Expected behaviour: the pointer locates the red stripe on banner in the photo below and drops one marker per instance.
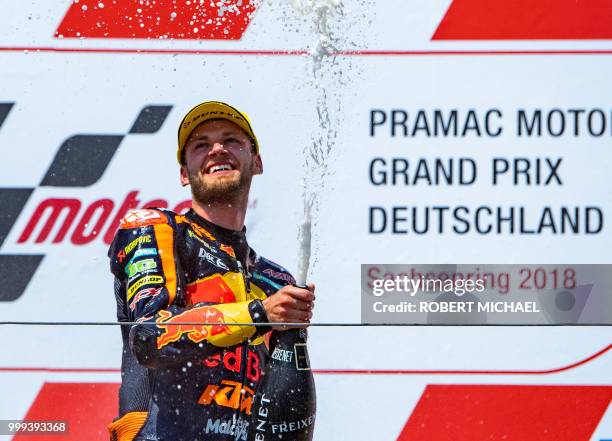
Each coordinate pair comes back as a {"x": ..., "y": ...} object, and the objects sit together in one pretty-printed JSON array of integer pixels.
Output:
[
  {"x": 465, "y": 372},
  {"x": 444, "y": 412},
  {"x": 494, "y": 412},
  {"x": 526, "y": 20},
  {"x": 160, "y": 19},
  {"x": 151, "y": 51},
  {"x": 87, "y": 407}
]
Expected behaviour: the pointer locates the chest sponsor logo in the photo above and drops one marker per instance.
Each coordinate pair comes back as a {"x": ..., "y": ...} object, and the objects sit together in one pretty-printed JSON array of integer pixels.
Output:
[
  {"x": 215, "y": 289},
  {"x": 232, "y": 394},
  {"x": 142, "y": 282},
  {"x": 236, "y": 428},
  {"x": 202, "y": 242},
  {"x": 216, "y": 261},
  {"x": 200, "y": 231},
  {"x": 143, "y": 294},
  {"x": 232, "y": 360}
]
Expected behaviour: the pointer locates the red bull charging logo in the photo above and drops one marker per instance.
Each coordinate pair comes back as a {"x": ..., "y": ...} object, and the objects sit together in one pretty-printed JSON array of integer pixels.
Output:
[{"x": 175, "y": 326}]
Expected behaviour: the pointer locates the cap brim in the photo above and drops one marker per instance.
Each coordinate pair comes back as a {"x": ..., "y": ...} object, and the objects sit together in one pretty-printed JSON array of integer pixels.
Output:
[{"x": 212, "y": 110}]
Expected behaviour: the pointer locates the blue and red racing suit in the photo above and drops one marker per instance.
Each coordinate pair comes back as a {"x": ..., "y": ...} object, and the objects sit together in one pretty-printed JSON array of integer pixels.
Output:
[{"x": 188, "y": 382}]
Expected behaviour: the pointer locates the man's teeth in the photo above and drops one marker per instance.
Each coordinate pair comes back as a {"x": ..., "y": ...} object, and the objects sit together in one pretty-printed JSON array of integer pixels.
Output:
[{"x": 216, "y": 168}]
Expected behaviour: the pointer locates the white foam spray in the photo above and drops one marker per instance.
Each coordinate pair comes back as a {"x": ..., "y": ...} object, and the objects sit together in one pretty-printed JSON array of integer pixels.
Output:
[
  {"x": 335, "y": 29},
  {"x": 317, "y": 153},
  {"x": 304, "y": 248}
]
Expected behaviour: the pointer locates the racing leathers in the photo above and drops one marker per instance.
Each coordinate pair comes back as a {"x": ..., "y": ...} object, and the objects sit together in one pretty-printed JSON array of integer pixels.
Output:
[{"x": 188, "y": 381}]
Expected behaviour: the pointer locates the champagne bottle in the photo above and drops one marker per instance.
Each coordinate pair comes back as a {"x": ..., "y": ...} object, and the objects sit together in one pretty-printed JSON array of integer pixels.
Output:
[{"x": 284, "y": 406}]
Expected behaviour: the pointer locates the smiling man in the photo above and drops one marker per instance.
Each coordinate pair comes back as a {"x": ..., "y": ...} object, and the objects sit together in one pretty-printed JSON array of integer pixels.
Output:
[{"x": 181, "y": 379}]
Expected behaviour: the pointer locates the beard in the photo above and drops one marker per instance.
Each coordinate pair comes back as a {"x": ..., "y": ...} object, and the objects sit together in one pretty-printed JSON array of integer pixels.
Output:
[{"x": 225, "y": 190}]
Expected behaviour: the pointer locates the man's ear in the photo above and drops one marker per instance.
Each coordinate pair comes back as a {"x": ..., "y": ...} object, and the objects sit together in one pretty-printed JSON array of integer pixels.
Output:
[
  {"x": 184, "y": 176},
  {"x": 257, "y": 165}
]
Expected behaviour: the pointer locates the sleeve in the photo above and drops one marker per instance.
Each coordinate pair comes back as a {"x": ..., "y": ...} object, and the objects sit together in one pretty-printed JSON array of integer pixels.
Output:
[{"x": 143, "y": 256}]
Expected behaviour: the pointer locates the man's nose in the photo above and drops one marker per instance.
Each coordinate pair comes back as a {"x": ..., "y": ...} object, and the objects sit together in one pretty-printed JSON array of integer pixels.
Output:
[{"x": 217, "y": 148}]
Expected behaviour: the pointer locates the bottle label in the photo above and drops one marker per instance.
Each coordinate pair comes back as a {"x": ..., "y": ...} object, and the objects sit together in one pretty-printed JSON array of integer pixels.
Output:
[
  {"x": 282, "y": 355},
  {"x": 302, "y": 362}
]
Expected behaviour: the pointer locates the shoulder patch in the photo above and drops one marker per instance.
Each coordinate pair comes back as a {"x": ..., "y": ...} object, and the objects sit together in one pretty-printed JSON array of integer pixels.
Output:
[
  {"x": 142, "y": 218},
  {"x": 274, "y": 270},
  {"x": 279, "y": 275}
]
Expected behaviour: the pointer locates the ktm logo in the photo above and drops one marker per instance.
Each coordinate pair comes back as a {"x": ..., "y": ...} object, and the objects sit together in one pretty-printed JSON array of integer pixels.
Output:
[
  {"x": 157, "y": 19},
  {"x": 232, "y": 394}
]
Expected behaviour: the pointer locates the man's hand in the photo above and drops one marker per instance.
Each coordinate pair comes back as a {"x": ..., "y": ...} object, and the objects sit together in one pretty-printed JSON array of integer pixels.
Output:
[{"x": 290, "y": 305}]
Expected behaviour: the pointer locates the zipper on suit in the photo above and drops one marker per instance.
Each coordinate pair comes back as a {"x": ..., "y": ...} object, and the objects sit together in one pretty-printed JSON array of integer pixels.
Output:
[
  {"x": 245, "y": 280},
  {"x": 245, "y": 345}
]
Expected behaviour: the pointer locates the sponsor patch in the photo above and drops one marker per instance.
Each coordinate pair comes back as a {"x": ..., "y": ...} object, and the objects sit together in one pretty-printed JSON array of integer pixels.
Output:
[
  {"x": 140, "y": 267},
  {"x": 199, "y": 230},
  {"x": 203, "y": 242},
  {"x": 270, "y": 282},
  {"x": 142, "y": 218},
  {"x": 138, "y": 241},
  {"x": 143, "y": 294},
  {"x": 216, "y": 261},
  {"x": 141, "y": 282},
  {"x": 232, "y": 394},
  {"x": 145, "y": 252},
  {"x": 279, "y": 275},
  {"x": 236, "y": 428}
]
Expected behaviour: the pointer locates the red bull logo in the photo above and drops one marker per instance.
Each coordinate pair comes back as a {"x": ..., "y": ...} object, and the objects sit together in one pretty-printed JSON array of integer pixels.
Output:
[
  {"x": 232, "y": 360},
  {"x": 175, "y": 326},
  {"x": 213, "y": 289}
]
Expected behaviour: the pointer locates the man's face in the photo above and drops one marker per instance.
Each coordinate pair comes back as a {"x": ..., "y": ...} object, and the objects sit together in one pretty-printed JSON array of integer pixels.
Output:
[{"x": 219, "y": 162}]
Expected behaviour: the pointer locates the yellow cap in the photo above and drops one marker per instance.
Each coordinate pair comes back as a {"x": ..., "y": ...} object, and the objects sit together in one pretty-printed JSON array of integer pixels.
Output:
[{"x": 212, "y": 110}]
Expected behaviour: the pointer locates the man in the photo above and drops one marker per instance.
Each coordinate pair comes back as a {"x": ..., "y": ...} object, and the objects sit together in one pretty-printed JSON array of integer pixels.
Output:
[{"x": 191, "y": 381}]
